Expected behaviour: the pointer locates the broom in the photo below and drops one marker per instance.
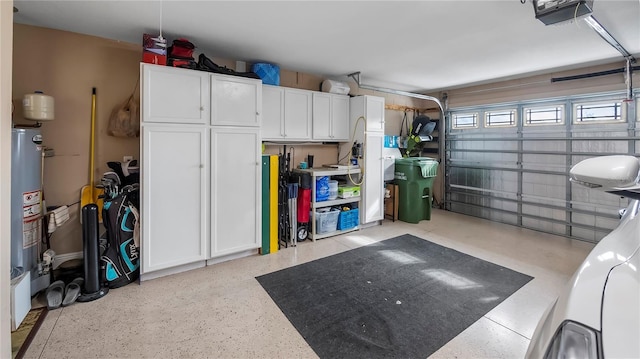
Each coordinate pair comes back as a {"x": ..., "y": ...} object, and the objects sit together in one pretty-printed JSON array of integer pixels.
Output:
[{"x": 91, "y": 194}]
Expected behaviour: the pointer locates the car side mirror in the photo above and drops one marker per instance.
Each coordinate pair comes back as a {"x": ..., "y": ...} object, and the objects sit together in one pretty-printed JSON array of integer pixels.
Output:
[{"x": 610, "y": 173}]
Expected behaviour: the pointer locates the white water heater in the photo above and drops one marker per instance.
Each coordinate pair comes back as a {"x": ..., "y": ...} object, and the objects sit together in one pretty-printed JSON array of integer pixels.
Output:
[{"x": 26, "y": 204}]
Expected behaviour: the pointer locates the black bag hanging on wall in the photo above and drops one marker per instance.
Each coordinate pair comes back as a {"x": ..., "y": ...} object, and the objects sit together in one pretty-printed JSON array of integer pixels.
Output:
[{"x": 120, "y": 260}]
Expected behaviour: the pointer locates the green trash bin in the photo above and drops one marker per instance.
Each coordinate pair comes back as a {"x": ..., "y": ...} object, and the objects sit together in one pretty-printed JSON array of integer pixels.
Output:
[{"x": 414, "y": 177}]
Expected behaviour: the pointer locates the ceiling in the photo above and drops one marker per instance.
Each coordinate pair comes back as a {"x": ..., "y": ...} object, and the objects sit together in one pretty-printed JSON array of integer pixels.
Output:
[{"x": 405, "y": 45}]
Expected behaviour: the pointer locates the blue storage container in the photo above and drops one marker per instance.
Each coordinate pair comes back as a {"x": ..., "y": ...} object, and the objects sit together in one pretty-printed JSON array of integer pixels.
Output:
[
  {"x": 348, "y": 219},
  {"x": 269, "y": 73}
]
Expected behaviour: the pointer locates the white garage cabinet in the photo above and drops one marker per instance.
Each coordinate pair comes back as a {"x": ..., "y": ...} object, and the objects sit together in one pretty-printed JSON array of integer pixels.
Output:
[{"x": 200, "y": 169}]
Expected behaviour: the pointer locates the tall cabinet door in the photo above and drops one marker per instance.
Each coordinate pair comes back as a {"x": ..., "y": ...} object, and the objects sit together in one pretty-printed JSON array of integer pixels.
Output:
[
  {"x": 373, "y": 199},
  {"x": 236, "y": 101},
  {"x": 172, "y": 95},
  {"x": 174, "y": 195},
  {"x": 235, "y": 190}
]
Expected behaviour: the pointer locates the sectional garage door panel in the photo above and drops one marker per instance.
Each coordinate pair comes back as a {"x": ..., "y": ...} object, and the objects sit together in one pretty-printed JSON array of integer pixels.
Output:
[{"x": 518, "y": 173}]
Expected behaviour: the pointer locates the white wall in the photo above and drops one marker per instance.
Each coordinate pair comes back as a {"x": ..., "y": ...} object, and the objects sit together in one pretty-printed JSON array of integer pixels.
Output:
[{"x": 6, "y": 44}]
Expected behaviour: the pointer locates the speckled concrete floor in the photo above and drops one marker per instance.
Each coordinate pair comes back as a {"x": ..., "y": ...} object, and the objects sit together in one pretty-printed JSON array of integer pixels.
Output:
[{"x": 222, "y": 312}]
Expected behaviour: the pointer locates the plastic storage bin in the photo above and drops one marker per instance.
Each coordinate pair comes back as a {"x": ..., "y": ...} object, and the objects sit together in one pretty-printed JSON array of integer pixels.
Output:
[
  {"x": 333, "y": 190},
  {"x": 348, "y": 219},
  {"x": 269, "y": 73},
  {"x": 414, "y": 177},
  {"x": 348, "y": 191},
  {"x": 327, "y": 221}
]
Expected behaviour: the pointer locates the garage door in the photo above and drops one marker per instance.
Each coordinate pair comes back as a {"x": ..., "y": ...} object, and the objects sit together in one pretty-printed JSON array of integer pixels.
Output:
[{"x": 510, "y": 162}]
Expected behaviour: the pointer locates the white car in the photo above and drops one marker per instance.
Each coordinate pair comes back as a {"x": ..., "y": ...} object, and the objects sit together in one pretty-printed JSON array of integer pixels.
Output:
[{"x": 597, "y": 315}]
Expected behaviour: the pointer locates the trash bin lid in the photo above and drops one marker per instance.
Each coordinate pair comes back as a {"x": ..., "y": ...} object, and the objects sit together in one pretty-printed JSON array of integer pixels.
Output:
[
  {"x": 405, "y": 161},
  {"x": 428, "y": 165}
]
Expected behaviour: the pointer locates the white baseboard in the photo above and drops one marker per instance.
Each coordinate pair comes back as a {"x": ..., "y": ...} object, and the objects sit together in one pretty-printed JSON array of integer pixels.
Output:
[
  {"x": 228, "y": 257},
  {"x": 173, "y": 270},
  {"x": 61, "y": 258}
]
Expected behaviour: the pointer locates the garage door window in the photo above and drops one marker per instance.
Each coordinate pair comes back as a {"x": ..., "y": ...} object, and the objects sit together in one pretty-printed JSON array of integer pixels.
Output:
[
  {"x": 598, "y": 112},
  {"x": 465, "y": 120},
  {"x": 544, "y": 115},
  {"x": 502, "y": 118}
]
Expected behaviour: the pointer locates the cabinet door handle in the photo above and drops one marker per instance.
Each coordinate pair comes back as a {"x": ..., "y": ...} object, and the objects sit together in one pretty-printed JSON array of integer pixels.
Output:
[
  {"x": 201, "y": 166},
  {"x": 201, "y": 108}
]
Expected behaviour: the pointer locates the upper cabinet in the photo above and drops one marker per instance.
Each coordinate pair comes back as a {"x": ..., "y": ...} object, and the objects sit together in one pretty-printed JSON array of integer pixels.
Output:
[
  {"x": 297, "y": 114},
  {"x": 235, "y": 101},
  {"x": 272, "y": 112},
  {"x": 174, "y": 95},
  {"x": 287, "y": 114},
  {"x": 330, "y": 117},
  {"x": 372, "y": 109}
]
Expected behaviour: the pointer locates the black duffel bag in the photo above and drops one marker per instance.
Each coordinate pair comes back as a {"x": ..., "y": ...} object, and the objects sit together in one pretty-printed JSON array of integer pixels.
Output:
[{"x": 205, "y": 64}]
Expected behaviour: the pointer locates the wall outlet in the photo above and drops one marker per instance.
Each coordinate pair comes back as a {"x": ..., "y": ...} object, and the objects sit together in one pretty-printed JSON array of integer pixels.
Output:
[{"x": 126, "y": 159}]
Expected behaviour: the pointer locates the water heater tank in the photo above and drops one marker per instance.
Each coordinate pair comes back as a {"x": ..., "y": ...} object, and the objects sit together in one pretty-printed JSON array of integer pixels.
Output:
[{"x": 38, "y": 106}]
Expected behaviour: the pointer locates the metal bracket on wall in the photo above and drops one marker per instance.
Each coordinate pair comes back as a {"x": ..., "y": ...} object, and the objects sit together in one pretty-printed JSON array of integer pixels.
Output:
[{"x": 356, "y": 77}]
